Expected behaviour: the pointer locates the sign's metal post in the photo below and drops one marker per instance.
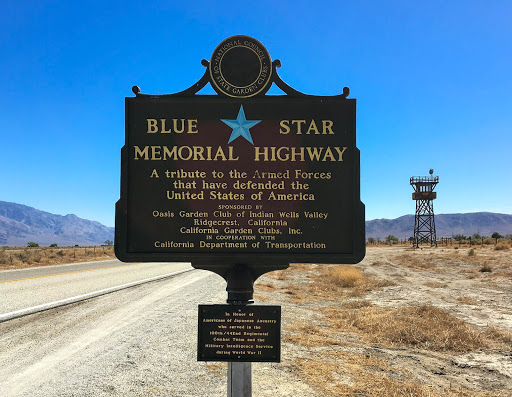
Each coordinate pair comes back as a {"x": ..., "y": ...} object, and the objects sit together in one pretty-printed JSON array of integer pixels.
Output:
[
  {"x": 240, "y": 288},
  {"x": 239, "y": 379},
  {"x": 240, "y": 285}
]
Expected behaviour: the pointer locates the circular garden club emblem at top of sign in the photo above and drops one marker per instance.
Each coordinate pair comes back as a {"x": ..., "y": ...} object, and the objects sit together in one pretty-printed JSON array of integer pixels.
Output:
[{"x": 241, "y": 67}]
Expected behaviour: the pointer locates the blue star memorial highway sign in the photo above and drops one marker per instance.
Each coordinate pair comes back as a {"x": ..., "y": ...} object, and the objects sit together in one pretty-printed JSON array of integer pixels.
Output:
[
  {"x": 241, "y": 126},
  {"x": 241, "y": 177}
]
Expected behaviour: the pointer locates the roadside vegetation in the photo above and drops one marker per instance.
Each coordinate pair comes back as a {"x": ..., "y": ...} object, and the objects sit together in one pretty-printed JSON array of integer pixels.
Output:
[
  {"x": 456, "y": 241},
  {"x": 31, "y": 256},
  {"x": 351, "y": 343}
]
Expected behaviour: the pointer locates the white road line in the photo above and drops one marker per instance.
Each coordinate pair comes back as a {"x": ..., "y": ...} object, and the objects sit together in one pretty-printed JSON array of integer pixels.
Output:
[{"x": 75, "y": 299}]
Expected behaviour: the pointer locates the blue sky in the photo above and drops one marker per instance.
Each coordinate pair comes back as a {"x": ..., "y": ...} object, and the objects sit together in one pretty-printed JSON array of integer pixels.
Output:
[{"x": 432, "y": 79}]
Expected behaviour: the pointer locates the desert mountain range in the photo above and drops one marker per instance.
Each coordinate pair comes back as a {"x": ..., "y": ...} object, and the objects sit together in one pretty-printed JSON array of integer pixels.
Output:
[
  {"x": 20, "y": 224},
  {"x": 447, "y": 225}
]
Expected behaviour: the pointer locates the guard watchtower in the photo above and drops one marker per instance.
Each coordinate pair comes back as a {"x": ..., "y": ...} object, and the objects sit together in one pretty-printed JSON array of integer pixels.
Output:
[{"x": 424, "y": 195}]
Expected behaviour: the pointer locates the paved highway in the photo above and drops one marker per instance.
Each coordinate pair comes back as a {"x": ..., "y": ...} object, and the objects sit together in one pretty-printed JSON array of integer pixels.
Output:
[
  {"x": 41, "y": 271},
  {"x": 24, "y": 288},
  {"x": 139, "y": 341}
]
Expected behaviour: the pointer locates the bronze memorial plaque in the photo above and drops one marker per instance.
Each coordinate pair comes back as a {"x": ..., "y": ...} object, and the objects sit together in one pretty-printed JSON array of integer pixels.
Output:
[{"x": 239, "y": 333}]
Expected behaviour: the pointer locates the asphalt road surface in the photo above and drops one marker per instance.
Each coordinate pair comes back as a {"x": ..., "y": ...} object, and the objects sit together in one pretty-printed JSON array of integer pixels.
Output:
[
  {"x": 139, "y": 341},
  {"x": 24, "y": 288}
]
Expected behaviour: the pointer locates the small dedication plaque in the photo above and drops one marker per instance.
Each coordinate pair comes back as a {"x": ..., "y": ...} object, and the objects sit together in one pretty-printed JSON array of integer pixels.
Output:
[{"x": 239, "y": 333}]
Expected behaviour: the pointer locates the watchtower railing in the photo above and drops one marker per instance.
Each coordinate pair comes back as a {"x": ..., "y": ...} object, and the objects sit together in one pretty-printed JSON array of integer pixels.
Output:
[{"x": 424, "y": 179}]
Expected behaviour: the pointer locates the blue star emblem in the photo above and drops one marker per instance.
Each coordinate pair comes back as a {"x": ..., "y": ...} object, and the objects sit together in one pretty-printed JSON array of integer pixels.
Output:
[{"x": 241, "y": 126}]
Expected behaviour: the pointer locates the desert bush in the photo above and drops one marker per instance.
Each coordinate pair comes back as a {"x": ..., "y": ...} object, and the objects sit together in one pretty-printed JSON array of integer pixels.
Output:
[
  {"x": 61, "y": 253},
  {"x": 415, "y": 261},
  {"x": 471, "y": 252},
  {"x": 426, "y": 327},
  {"x": 390, "y": 239},
  {"x": 459, "y": 237},
  {"x": 502, "y": 246},
  {"x": 467, "y": 300},
  {"x": 267, "y": 287},
  {"x": 486, "y": 268},
  {"x": 4, "y": 257},
  {"x": 364, "y": 372},
  {"x": 356, "y": 304},
  {"x": 488, "y": 241},
  {"x": 345, "y": 280},
  {"x": 496, "y": 236},
  {"x": 435, "y": 284},
  {"x": 36, "y": 257},
  {"x": 23, "y": 256},
  {"x": 344, "y": 276},
  {"x": 499, "y": 335}
]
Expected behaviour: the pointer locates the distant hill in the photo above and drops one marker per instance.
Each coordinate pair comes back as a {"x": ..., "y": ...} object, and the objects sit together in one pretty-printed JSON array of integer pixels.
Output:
[
  {"x": 447, "y": 225},
  {"x": 20, "y": 224}
]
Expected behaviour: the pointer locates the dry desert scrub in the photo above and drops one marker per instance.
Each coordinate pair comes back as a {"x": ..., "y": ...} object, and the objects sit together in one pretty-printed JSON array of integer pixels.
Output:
[
  {"x": 309, "y": 335},
  {"x": 484, "y": 260},
  {"x": 435, "y": 284},
  {"x": 502, "y": 246},
  {"x": 267, "y": 287},
  {"x": 339, "y": 359},
  {"x": 287, "y": 274},
  {"x": 485, "y": 268},
  {"x": 467, "y": 300},
  {"x": 4, "y": 257},
  {"x": 422, "y": 262},
  {"x": 425, "y": 327},
  {"x": 349, "y": 374},
  {"x": 344, "y": 276},
  {"x": 332, "y": 282},
  {"x": 24, "y": 258}
]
